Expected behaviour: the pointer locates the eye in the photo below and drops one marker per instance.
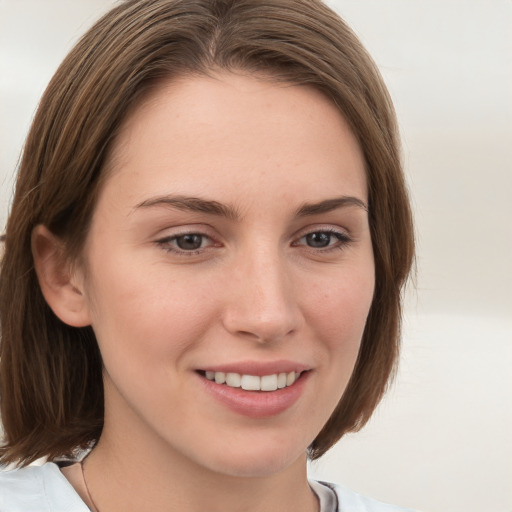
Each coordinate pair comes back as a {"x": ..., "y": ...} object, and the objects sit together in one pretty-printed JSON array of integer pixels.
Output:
[
  {"x": 190, "y": 242},
  {"x": 186, "y": 243},
  {"x": 324, "y": 239}
]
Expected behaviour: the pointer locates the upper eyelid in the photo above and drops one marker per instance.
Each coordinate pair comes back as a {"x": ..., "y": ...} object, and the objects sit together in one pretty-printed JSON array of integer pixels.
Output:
[
  {"x": 175, "y": 236},
  {"x": 173, "y": 232},
  {"x": 327, "y": 228},
  {"x": 188, "y": 229}
]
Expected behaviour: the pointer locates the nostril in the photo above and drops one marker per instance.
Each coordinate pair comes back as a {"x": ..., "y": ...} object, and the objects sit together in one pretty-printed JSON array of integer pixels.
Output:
[
  {"x": 266, "y": 336},
  {"x": 249, "y": 334}
]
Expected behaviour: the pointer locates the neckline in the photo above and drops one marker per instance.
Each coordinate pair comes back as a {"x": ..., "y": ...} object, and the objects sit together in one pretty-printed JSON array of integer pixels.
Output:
[
  {"x": 71, "y": 491},
  {"x": 326, "y": 496}
]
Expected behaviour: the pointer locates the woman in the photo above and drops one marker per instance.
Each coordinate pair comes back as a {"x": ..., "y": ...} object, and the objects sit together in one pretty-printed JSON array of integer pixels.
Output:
[{"x": 203, "y": 262}]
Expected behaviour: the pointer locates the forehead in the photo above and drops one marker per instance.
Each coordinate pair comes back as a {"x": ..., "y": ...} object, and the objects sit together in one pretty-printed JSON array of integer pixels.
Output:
[{"x": 231, "y": 131}]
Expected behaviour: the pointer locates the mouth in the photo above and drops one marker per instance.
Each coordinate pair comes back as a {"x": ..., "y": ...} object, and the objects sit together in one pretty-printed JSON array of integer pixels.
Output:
[
  {"x": 259, "y": 396},
  {"x": 266, "y": 383}
]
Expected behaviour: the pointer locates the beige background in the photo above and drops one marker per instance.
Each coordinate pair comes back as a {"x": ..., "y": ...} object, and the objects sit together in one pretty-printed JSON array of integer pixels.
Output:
[{"x": 441, "y": 440}]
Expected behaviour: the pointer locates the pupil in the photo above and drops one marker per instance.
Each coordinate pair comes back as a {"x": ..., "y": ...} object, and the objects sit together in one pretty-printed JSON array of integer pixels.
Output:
[
  {"x": 189, "y": 242},
  {"x": 318, "y": 239}
]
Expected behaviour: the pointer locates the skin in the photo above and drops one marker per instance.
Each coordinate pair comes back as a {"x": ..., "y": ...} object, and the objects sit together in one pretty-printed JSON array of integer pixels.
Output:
[{"x": 256, "y": 289}]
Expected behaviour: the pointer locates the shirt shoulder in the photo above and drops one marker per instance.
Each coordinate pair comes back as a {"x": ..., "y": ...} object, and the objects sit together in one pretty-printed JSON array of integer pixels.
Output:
[
  {"x": 351, "y": 501},
  {"x": 38, "y": 489}
]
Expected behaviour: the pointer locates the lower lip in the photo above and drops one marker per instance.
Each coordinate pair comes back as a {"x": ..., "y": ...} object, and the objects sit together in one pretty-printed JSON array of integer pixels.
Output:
[{"x": 256, "y": 404}]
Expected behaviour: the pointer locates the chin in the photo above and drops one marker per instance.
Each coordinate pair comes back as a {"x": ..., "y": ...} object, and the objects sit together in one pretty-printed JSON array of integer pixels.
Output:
[
  {"x": 261, "y": 468},
  {"x": 253, "y": 461}
]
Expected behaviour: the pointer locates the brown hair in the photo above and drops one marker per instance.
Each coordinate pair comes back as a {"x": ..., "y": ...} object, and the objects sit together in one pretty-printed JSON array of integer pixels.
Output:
[{"x": 50, "y": 373}]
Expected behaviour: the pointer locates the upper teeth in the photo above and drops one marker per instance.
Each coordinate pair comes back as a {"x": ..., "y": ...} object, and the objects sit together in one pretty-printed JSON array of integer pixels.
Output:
[{"x": 253, "y": 382}]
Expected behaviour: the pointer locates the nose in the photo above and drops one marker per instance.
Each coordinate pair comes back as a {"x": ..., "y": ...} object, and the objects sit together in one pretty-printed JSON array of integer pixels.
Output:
[{"x": 261, "y": 298}]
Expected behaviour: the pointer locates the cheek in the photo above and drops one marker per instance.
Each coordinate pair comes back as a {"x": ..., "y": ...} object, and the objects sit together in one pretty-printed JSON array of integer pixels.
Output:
[
  {"x": 338, "y": 310},
  {"x": 339, "y": 306},
  {"x": 150, "y": 312}
]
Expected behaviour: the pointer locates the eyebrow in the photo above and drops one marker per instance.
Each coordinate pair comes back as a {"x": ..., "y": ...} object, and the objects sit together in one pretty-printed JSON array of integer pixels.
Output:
[
  {"x": 192, "y": 204},
  {"x": 329, "y": 205}
]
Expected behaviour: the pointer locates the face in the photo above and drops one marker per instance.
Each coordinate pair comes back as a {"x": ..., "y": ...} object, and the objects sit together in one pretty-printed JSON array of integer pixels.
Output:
[{"x": 230, "y": 241}]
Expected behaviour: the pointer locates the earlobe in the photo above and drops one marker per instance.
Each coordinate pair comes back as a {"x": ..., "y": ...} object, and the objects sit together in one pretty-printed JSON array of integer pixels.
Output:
[{"x": 61, "y": 286}]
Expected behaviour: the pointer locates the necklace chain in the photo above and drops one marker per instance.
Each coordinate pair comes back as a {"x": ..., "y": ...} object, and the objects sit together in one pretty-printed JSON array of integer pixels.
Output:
[{"x": 89, "y": 497}]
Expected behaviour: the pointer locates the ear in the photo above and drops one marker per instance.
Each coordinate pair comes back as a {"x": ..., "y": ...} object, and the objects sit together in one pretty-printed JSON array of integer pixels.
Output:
[{"x": 62, "y": 286}]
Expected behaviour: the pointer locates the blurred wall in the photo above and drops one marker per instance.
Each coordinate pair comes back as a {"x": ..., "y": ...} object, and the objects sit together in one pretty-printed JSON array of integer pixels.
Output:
[{"x": 441, "y": 440}]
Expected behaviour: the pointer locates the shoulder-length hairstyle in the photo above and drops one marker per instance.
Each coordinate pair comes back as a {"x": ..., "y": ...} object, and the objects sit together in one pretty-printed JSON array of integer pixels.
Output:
[{"x": 50, "y": 373}]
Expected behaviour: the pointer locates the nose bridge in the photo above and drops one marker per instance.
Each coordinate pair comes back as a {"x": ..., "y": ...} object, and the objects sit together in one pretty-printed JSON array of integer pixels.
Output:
[{"x": 261, "y": 303}]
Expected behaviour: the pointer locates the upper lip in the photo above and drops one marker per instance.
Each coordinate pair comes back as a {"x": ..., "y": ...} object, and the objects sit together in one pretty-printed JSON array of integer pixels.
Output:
[{"x": 257, "y": 368}]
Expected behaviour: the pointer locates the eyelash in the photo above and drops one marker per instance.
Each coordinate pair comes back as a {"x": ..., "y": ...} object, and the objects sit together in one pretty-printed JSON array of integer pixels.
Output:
[
  {"x": 342, "y": 239},
  {"x": 166, "y": 243}
]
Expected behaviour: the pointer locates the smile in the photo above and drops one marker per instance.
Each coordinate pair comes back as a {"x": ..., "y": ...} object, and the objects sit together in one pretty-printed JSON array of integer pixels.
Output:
[
  {"x": 252, "y": 390},
  {"x": 253, "y": 382}
]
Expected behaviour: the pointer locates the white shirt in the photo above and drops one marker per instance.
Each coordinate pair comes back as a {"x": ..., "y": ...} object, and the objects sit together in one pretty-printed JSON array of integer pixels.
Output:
[{"x": 45, "y": 489}]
